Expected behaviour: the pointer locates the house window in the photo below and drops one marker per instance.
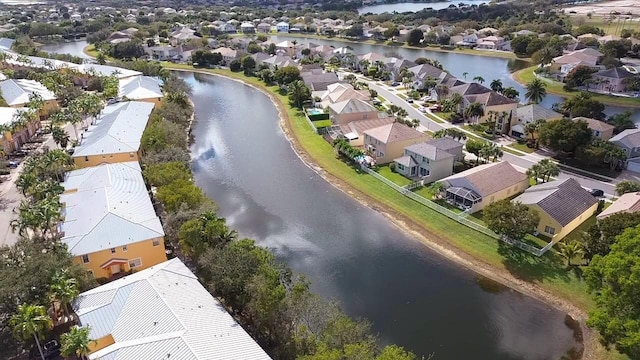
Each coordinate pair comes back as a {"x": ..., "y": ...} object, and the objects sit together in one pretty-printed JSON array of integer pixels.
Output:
[
  {"x": 131, "y": 155},
  {"x": 424, "y": 159},
  {"x": 90, "y": 272},
  {"x": 424, "y": 172},
  {"x": 134, "y": 263},
  {"x": 596, "y": 133},
  {"x": 124, "y": 248},
  {"x": 86, "y": 158},
  {"x": 549, "y": 230},
  {"x": 400, "y": 167},
  {"x": 113, "y": 250},
  {"x": 156, "y": 242},
  {"x": 380, "y": 154},
  {"x": 85, "y": 259}
]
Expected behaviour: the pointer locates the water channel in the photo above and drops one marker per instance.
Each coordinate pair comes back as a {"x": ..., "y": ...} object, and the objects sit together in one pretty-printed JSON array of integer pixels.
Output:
[
  {"x": 414, "y": 6},
  {"x": 351, "y": 253}
]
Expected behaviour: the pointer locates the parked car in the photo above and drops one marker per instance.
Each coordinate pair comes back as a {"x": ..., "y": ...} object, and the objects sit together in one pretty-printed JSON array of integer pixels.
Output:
[
  {"x": 422, "y": 109},
  {"x": 410, "y": 100},
  {"x": 435, "y": 107},
  {"x": 597, "y": 192},
  {"x": 394, "y": 84},
  {"x": 13, "y": 164},
  {"x": 51, "y": 349}
]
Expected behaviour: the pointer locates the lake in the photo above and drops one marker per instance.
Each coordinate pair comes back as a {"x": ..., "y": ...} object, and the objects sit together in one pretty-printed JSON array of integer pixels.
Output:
[
  {"x": 413, "y": 6},
  {"x": 351, "y": 253},
  {"x": 69, "y": 47}
]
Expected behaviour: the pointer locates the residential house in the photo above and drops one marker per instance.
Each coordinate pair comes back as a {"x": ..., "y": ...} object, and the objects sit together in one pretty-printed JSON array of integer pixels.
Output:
[
  {"x": 469, "y": 39},
  {"x": 354, "y": 130},
  {"x": 423, "y": 72},
  {"x": 247, "y": 28},
  {"x": 494, "y": 43},
  {"x": 183, "y": 36},
  {"x": 279, "y": 61},
  {"x": 344, "y": 112},
  {"x": 141, "y": 88},
  {"x": 162, "y": 312},
  {"x": 527, "y": 114},
  {"x": 428, "y": 161},
  {"x": 227, "y": 27},
  {"x": 627, "y": 203},
  {"x": 600, "y": 129},
  {"x": 488, "y": 31},
  {"x": 629, "y": 141},
  {"x": 605, "y": 39},
  {"x": 106, "y": 70},
  {"x": 116, "y": 135},
  {"x": 492, "y": 102},
  {"x": 12, "y": 139},
  {"x": 169, "y": 53},
  {"x": 228, "y": 54},
  {"x": 562, "y": 205},
  {"x": 110, "y": 225},
  {"x": 395, "y": 66},
  {"x": 388, "y": 142},
  {"x": 264, "y": 28},
  {"x": 318, "y": 80},
  {"x": 524, "y": 33},
  {"x": 287, "y": 47},
  {"x": 339, "y": 92},
  {"x": 16, "y": 93},
  {"x": 6, "y": 43},
  {"x": 118, "y": 37},
  {"x": 587, "y": 57},
  {"x": 482, "y": 185},
  {"x": 612, "y": 80},
  {"x": 282, "y": 27}
]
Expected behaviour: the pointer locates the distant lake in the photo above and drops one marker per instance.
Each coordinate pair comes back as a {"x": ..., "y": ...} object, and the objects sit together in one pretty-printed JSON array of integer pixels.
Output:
[{"x": 414, "y": 6}]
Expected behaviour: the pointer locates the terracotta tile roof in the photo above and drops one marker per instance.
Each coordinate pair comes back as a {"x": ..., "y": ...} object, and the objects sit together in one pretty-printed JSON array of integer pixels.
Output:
[
  {"x": 628, "y": 203},
  {"x": 487, "y": 179},
  {"x": 594, "y": 124}
]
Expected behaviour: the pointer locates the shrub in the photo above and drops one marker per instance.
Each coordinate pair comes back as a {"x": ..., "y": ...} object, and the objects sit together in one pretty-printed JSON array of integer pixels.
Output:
[{"x": 165, "y": 173}]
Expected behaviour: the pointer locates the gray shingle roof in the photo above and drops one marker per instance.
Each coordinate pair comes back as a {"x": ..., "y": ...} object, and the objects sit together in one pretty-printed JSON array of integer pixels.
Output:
[
  {"x": 533, "y": 112},
  {"x": 563, "y": 200},
  {"x": 629, "y": 138},
  {"x": 430, "y": 151},
  {"x": 487, "y": 179}
]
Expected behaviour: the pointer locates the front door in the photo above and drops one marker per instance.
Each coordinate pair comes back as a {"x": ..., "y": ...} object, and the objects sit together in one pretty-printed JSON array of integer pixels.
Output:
[{"x": 115, "y": 269}]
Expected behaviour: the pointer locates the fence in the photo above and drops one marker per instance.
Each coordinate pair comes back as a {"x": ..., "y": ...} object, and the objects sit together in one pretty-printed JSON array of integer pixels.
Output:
[{"x": 459, "y": 217}]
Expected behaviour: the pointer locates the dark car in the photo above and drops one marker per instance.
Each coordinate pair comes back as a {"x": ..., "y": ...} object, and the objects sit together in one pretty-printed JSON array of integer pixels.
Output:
[
  {"x": 51, "y": 349},
  {"x": 596, "y": 192}
]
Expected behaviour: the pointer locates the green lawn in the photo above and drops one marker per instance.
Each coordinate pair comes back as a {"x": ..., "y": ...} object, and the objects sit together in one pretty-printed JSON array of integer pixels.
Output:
[
  {"x": 612, "y": 28},
  {"x": 511, "y": 151},
  {"x": 525, "y": 76},
  {"x": 91, "y": 51},
  {"x": 576, "y": 234},
  {"x": 547, "y": 271},
  {"x": 393, "y": 176},
  {"x": 383, "y": 100},
  {"x": 522, "y": 147},
  {"x": 432, "y": 117}
]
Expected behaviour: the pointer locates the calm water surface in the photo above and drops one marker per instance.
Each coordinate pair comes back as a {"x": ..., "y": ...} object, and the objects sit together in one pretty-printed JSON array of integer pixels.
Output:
[
  {"x": 351, "y": 253},
  {"x": 414, "y": 7},
  {"x": 71, "y": 47}
]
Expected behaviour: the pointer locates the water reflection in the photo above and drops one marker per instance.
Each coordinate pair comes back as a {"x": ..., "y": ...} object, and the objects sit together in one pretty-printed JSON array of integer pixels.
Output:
[{"x": 413, "y": 297}]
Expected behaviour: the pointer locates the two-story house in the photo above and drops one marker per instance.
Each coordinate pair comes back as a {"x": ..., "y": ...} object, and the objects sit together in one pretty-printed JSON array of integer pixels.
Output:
[
  {"x": 388, "y": 142},
  {"x": 429, "y": 161}
]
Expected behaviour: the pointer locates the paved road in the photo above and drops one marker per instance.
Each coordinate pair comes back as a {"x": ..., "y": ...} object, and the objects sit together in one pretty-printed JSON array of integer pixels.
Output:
[{"x": 521, "y": 161}]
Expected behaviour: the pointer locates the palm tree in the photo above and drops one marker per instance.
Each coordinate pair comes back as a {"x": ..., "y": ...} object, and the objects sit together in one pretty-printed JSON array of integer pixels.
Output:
[
  {"x": 511, "y": 93},
  {"x": 464, "y": 74},
  {"x": 299, "y": 93},
  {"x": 456, "y": 100},
  {"x": 442, "y": 90},
  {"x": 546, "y": 56},
  {"x": 536, "y": 91},
  {"x": 478, "y": 79},
  {"x": 76, "y": 342},
  {"x": 30, "y": 321},
  {"x": 101, "y": 59},
  {"x": 474, "y": 111},
  {"x": 570, "y": 250},
  {"x": 534, "y": 172},
  {"x": 496, "y": 85},
  {"x": 63, "y": 289},
  {"x": 60, "y": 137},
  {"x": 549, "y": 169}
]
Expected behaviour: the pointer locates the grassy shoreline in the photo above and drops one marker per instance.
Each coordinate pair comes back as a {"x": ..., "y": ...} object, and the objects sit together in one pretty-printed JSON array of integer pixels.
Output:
[
  {"x": 525, "y": 76},
  {"x": 560, "y": 288},
  {"x": 548, "y": 270}
]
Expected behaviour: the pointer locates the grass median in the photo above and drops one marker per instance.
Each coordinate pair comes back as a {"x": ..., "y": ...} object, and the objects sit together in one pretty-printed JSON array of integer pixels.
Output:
[
  {"x": 548, "y": 271},
  {"x": 527, "y": 75}
]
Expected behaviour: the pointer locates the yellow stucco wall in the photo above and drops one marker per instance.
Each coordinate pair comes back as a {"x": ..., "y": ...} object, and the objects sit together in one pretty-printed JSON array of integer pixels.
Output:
[
  {"x": 95, "y": 160},
  {"x": 500, "y": 195},
  {"x": 560, "y": 231},
  {"x": 394, "y": 149},
  {"x": 155, "y": 101},
  {"x": 343, "y": 119},
  {"x": 149, "y": 255}
]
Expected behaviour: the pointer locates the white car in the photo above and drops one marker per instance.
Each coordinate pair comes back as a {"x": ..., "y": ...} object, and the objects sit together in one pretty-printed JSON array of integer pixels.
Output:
[{"x": 422, "y": 109}]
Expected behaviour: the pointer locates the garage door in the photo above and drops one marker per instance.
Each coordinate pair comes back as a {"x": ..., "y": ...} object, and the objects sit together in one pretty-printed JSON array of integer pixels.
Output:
[{"x": 633, "y": 166}]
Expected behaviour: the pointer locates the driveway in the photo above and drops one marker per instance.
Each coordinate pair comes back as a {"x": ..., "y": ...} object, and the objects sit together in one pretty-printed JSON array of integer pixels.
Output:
[{"x": 525, "y": 161}]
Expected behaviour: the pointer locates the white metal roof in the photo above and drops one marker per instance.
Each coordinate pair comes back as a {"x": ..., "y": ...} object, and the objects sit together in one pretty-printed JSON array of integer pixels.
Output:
[
  {"x": 119, "y": 130},
  {"x": 7, "y": 114},
  {"x": 111, "y": 208},
  {"x": 106, "y": 70},
  {"x": 100, "y": 176},
  {"x": 163, "y": 312},
  {"x": 140, "y": 87},
  {"x": 17, "y": 91}
]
